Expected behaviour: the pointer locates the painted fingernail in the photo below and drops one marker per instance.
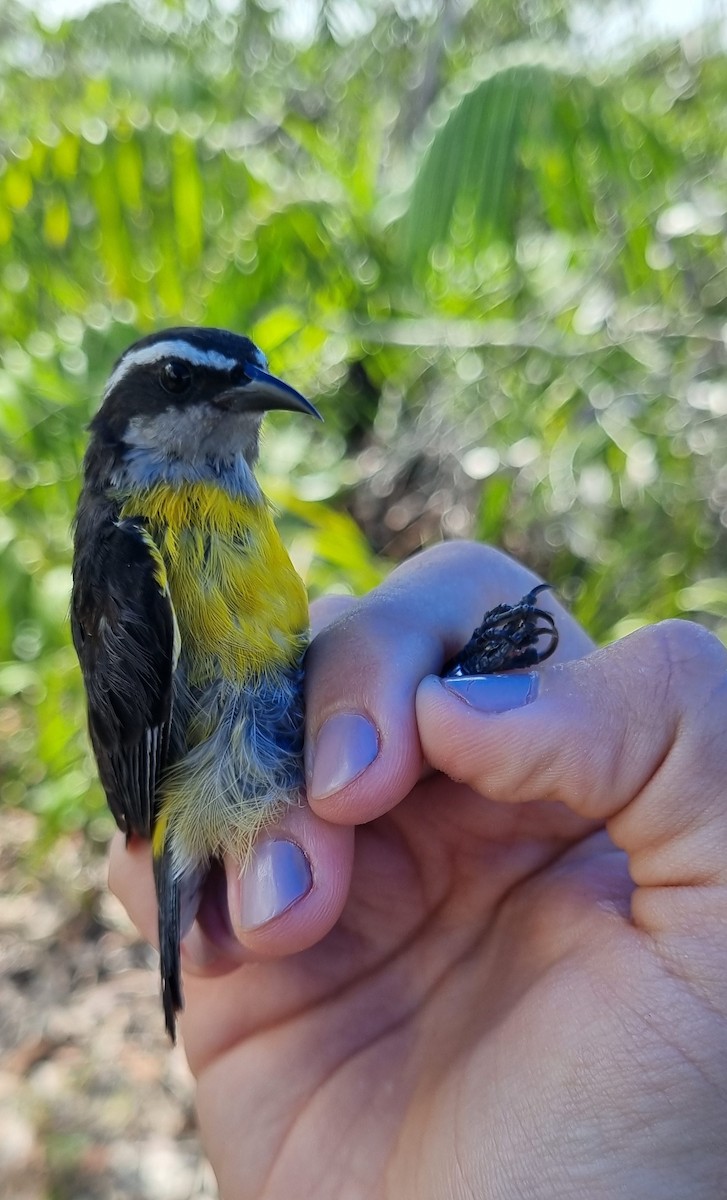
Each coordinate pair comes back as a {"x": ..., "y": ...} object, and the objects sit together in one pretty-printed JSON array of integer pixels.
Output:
[
  {"x": 275, "y": 878},
  {"x": 347, "y": 744},
  {"x": 494, "y": 693}
]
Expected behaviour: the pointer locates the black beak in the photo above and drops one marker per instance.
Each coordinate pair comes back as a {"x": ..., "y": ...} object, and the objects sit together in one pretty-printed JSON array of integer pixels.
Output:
[{"x": 260, "y": 392}]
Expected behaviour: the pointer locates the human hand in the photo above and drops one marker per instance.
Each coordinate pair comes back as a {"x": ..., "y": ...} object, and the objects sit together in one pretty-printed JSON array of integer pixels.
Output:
[{"x": 475, "y": 1003}]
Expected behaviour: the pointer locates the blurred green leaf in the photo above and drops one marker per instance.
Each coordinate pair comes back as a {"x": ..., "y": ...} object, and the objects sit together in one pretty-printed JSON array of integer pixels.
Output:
[
  {"x": 706, "y": 596},
  {"x": 533, "y": 143}
]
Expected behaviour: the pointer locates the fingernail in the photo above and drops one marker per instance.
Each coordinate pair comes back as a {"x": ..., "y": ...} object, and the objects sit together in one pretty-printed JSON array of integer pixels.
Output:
[
  {"x": 275, "y": 878},
  {"x": 494, "y": 693},
  {"x": 347, "y": 744}
]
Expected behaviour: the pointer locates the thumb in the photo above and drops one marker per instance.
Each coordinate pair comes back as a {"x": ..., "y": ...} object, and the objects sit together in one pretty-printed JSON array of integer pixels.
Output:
[{"x": 633, "y": 736}]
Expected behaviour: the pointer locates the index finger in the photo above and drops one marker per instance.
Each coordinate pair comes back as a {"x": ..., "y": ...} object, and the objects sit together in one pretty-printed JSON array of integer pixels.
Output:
[{"x": 363, "y": 754}]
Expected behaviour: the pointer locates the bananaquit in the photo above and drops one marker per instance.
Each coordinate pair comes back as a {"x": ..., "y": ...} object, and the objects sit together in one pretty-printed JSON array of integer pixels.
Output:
[{"x": 188, "y": 618}]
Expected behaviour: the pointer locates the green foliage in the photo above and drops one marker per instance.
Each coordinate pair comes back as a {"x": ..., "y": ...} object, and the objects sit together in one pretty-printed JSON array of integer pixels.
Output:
[
  {"x": 533, "y": 144},
  {"x": 502, "y": 279}
]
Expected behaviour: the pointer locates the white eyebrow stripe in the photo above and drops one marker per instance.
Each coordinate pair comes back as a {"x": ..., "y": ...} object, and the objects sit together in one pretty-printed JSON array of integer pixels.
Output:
[{"x": 175, "y": 348}]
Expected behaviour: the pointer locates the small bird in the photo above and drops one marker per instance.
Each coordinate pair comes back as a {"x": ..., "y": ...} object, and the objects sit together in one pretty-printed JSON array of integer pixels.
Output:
[{"x": 188, "y": 618}]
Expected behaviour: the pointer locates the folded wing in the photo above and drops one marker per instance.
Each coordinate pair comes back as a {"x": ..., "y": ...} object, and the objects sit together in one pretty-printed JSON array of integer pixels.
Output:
[{"x": 125, "y": 634}]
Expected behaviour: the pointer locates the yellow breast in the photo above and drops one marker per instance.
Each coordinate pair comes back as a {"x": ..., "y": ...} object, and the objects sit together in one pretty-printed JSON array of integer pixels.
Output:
[{"x": 240, "y": 606}]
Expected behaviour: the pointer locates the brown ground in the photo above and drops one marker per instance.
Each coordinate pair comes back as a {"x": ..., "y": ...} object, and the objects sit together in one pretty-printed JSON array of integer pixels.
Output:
[{"x": 94, "y": 1104}]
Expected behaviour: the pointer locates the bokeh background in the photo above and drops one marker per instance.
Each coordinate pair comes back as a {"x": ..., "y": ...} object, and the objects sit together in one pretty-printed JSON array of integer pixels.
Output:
[{"x": 488, "y": 238}]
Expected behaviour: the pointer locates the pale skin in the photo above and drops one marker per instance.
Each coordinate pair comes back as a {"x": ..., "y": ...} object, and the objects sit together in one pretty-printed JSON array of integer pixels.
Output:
[{"x": 475, "y": 999}]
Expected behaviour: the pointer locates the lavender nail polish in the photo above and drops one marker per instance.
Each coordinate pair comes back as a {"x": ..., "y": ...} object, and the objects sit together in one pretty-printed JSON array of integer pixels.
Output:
[
  {"x": 494, "y": 693},
  {"x": 347, "y": 744},
  {"x": 277, "y": 876}
]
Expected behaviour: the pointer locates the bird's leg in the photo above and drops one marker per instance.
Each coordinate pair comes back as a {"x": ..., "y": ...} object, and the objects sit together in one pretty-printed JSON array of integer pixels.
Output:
[{"x": 508, "y": 639}]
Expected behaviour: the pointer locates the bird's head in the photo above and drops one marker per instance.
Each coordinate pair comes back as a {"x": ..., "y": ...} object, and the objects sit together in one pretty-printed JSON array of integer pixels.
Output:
[{"x": 191, "y": 395}]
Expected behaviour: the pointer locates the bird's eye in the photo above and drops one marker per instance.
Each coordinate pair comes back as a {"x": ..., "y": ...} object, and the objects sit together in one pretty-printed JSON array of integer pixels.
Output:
[{"x": 175, "y": 376}]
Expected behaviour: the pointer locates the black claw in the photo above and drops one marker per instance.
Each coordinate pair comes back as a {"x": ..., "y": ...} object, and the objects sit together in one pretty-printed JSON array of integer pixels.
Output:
[{"x": 508, "y": 639}]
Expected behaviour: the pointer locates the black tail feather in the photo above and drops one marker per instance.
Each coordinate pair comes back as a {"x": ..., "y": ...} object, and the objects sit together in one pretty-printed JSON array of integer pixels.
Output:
[{"x": 167, "y": 889}]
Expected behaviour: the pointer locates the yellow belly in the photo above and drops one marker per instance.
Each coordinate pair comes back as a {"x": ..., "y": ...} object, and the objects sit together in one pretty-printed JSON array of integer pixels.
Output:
[{"x": 241, "y": 607}]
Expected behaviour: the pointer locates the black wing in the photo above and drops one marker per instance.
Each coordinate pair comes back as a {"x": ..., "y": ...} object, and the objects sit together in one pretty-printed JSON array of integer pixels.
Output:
[{"x": 125, "y": 634}]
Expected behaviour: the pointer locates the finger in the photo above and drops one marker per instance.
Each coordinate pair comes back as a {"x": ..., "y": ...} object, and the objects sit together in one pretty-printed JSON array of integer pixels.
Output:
[
  {"x": 632, "y": 735},
  {"x": 362, "y": 747},
  {"x": 292, "y": 890},
  {"x": 132, "y": 881},
  {"x": 327, "y": 609},
  {"x": 285, "y": 898}
]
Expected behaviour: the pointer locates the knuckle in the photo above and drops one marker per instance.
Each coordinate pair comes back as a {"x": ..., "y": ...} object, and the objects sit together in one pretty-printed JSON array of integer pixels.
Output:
[
  {"x": 381, "y": 627},
  {"x": 460, "y": 554},
  {"x": 350, "y": 657},
  {"x": 689, "y": 650},
  {"x": 347, "y": 627},
  {"x": 692, "y": 683},
  {"x": 326, "y": 610}
]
